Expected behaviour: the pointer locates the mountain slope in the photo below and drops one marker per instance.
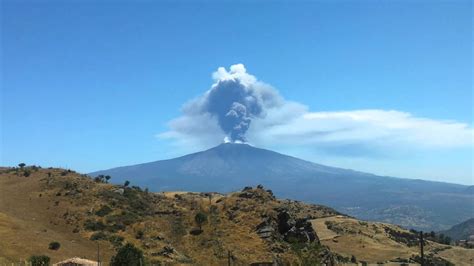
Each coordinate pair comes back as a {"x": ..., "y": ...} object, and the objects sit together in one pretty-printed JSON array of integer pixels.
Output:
[
  {"x": 412, "y": 203},
  {"x": 462, "y": 231},
  {"x": 59, "y": 205}
]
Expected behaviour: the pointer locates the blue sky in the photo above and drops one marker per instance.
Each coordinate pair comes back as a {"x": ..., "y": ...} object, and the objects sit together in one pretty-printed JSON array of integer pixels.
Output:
[{"x": 95, "y": 85}]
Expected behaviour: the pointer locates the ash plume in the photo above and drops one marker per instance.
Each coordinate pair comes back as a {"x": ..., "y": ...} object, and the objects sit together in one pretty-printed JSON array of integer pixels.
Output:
[{"x": 235, "y": 99}]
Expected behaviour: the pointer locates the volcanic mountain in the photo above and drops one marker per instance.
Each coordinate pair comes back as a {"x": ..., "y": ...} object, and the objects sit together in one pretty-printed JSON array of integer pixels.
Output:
[{"x": 411, "y": 203}]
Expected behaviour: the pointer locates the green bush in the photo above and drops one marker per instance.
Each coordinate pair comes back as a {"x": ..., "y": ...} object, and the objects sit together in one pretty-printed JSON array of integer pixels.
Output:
[
  {"x": 54, "y": 245},
  {"x": 115, "y": 227},
  {"x": 125, "y": 218},
  {"x": 103, "y": 211},
  {"x": 39, "y": 260},
  {"x": 128, "y": 255},
  {"x": 98, "y": 236},
  {"x": 200, "y": 218},
  {"x": 92, "y": 225},
  {"x": 116, "y": 240}
]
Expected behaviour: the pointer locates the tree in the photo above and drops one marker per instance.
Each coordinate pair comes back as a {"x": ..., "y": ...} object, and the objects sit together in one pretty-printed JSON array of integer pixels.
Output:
[
  {"x": 21, "y": 165},
  {"x": 39, "y": 260},
  {"x": 128, "y": 255},
  {"x": 447, "y": 240},
  {"x": 200, "y": 219},
  {"x": 353, "y": 259},
  {"x": 107, "y": 178},
  {"x": 126, "y": 183}
]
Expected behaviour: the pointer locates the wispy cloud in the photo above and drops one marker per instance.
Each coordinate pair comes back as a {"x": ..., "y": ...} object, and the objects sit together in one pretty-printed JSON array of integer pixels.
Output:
[{"x": 345, "y": 133}]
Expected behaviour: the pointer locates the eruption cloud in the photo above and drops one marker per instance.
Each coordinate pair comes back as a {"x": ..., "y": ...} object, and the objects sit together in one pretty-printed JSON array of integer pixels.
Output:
[
  {"x": 239, "y": 108},
  {"x": 235, "y": 99}
]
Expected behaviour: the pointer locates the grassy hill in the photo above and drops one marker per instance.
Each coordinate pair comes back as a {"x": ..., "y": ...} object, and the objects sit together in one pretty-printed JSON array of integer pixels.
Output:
[{"x": 39, "y": 206}]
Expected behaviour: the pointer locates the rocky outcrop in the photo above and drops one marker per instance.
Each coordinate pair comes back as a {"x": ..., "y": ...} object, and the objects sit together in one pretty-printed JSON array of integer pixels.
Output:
[
  {"x": 285, "y": 226},
  {"x": 295, "y": 230},
  {"x": 259, "y": 193}
]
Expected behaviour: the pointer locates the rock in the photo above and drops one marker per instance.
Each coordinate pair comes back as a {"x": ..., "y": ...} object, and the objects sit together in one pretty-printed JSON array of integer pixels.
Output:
[
  {"x": 266, "y": 232},
  {"x": 258, "y": 194},
  {"x": 119, "y": 191},
  {"x": 285, "y": 226},
  {"x": 167, "y": 251}
]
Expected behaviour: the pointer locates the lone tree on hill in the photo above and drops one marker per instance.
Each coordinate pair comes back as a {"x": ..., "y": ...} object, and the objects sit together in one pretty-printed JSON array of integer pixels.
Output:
[
  {"x": 128, "y": 255},
  {"x": 200, "y": 219},
  {"x": 107, "y": 178},
  {"x": 21, "y": 165},
  {"x": 126, "y": 183}
]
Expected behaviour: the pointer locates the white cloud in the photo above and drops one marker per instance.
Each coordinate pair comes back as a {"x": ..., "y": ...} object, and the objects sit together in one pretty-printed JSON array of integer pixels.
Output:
[{"x": 364, "y": 129}]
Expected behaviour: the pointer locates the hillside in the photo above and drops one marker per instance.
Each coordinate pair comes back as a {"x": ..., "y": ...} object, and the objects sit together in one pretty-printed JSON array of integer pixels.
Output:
[
  {"x": 249, "y": 226},
  {"x": 462, "y": 231},
  {"x": 418, "y": 204}
]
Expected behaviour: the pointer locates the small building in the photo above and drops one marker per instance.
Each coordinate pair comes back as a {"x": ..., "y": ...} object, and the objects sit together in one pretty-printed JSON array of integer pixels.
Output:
[{"x": 76, "y": 262}]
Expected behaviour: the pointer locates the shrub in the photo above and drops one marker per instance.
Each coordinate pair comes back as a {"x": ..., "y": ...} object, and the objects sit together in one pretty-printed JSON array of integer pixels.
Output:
[
  {"x": 128, "y": 255},
  {"x": 39, "y": 260},
  {"x": 54, "y": 245},
  {"x": 103, "y": 211},
  {"x": 200, "y": 219},
  {"x": 116, "y": 240},
  {"x": 125, "y": 218},
  {"x": 92, "y": 225},
  {"x": 115, "y": 227},
  {"x": 98, "y": 236},
  {"x": 139, "y": 234},
  {"x": 26, "y": 173}
]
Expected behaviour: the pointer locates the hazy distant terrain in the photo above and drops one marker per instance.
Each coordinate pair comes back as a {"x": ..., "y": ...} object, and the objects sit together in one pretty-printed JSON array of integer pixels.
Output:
[
  {"x": 462, "y": 231},
  {"x": 411, "y": 203}
]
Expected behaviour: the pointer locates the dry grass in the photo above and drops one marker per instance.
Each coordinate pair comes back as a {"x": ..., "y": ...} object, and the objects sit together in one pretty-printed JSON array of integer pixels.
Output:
[
  {"x": 30, "y": 220},
  {"x": 368, "y": 241},
  {"x": 458, "y": 256},
  {"x": 35, "y": 211}
]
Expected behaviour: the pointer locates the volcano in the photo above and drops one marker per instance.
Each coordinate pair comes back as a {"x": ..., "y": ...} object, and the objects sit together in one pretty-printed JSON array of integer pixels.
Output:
[{"x": 228, "y": 167}]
